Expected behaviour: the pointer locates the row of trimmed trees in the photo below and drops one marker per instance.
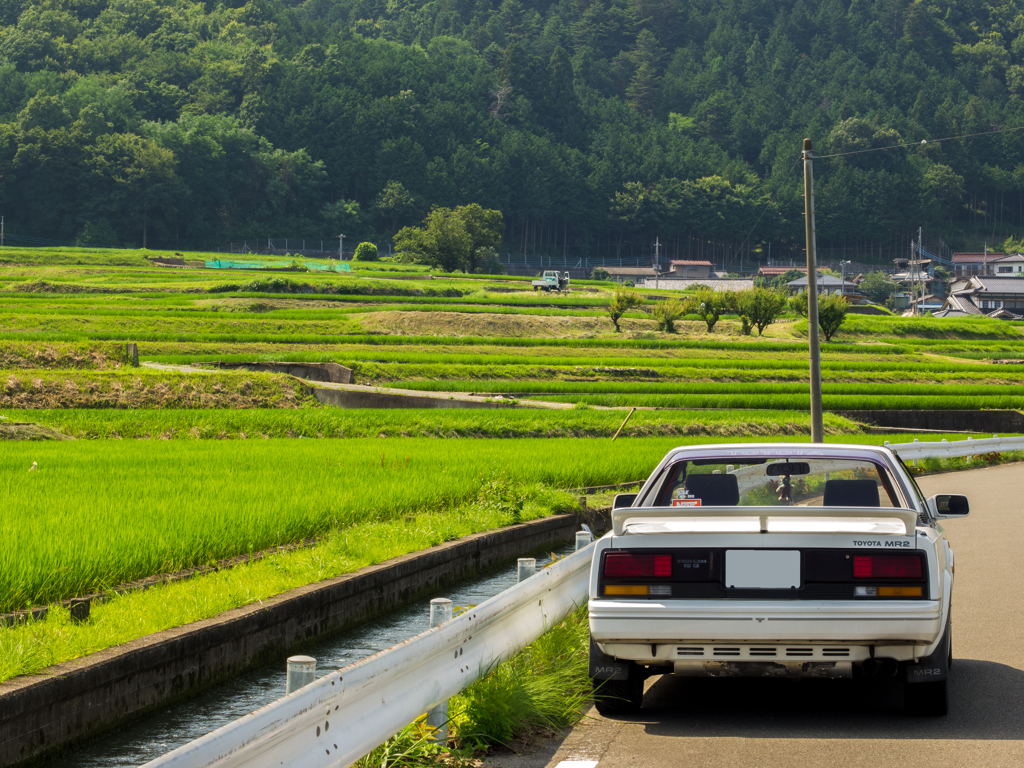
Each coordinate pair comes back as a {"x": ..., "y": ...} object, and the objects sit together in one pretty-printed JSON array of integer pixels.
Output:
[{"x": 756, "y": 307}]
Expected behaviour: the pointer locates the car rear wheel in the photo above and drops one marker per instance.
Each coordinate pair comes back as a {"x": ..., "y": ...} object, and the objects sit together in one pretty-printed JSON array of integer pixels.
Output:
[
  {"x": 929, "y": 699},
  {"x": 619, "y": 697}
]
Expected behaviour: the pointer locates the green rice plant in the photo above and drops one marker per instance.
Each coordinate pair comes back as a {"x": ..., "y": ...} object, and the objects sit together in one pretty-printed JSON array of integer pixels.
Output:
[
  {"x": 128, "y": 615},
  {"x": 101, "y": 513},
  {"x": 795, "y": 401},
  {"x": 221, "y": 424}
]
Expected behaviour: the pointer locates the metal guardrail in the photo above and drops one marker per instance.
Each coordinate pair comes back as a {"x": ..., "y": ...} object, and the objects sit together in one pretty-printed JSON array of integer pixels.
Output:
[
  {"x": 947, "y": 449},
  {"x": 345, "y": 715}
]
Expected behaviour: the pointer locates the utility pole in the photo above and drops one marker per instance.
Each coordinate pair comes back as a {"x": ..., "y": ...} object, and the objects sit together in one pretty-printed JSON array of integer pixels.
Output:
[
  {"x": 913, "y": 277},
  {"x": 657, "y": 262},
  {"x": 341, "y": 247},
  {"x": 920, "y": 264},
  {"x": 817, "y": 430}
]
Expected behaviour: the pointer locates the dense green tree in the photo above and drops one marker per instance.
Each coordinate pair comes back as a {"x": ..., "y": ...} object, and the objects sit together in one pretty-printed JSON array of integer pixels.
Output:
[
  {"x": 301, "y": 117},
  {"x": 878, "y": 287},
  {"x": 453, "y": 240}
]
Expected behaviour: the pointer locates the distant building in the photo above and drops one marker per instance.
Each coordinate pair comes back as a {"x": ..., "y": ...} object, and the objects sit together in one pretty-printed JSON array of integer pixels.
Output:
[
  {"x": 826, "y": 284},
  {"x": 1008, "y": 265},
  {"x": 771, "y": 272},
  {"x": 968, "y": 264},
  {"x": 669, "y": 283},
  {"x": 929, "y": 303},
  {"x": 691, "y": 269},
  {"x": 995, "y": 296},
  {"x": 632, "y": 274}
]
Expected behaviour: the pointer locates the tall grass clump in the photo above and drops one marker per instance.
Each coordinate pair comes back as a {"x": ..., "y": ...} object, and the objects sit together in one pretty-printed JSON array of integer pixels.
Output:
[{"x": 541, "y": 690}]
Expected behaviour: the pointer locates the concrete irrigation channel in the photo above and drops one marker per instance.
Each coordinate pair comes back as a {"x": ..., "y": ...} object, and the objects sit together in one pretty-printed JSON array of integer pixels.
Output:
[{"x": 45, "y": 714}]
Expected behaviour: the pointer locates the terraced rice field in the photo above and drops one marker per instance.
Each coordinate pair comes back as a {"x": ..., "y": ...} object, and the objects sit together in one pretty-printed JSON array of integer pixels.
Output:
[{"x": 146, "y": 480}]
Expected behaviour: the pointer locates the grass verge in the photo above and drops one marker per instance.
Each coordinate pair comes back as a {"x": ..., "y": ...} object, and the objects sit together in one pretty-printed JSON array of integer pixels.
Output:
[{"x": 540, "y": 691}]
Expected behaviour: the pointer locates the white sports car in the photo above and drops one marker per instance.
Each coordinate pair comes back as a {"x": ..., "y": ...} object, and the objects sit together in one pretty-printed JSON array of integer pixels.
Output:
[{"x": 774, "y": 560}]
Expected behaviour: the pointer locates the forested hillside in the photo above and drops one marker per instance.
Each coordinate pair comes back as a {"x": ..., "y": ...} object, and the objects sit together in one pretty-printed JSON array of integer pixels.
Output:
[{"x": 593, "y": 125}]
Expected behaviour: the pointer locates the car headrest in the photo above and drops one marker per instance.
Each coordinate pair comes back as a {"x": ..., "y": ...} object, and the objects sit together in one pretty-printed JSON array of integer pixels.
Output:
[
  {"x": 714, "y": 490},
  {"x": 851, "y": 493}
]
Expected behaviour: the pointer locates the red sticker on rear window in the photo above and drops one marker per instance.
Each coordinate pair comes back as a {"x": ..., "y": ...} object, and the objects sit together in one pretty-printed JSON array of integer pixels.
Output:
[{"x": 685, "y": 502}]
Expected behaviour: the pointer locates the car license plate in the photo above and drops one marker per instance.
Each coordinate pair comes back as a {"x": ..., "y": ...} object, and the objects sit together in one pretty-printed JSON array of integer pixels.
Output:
[{"x": 762, "y": 568}]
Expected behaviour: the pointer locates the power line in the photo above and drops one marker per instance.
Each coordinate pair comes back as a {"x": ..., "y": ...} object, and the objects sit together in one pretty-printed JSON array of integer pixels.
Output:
[
  {"x": 768, "y": 205},
  {"x": 875, "y": 149},
  {"x": 919, "y": 143}
]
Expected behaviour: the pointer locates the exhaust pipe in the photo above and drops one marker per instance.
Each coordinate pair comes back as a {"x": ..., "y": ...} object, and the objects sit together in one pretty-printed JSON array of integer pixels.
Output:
[
  {"x": 888, "y": 668},
  {"x": 870, "y": 667}
]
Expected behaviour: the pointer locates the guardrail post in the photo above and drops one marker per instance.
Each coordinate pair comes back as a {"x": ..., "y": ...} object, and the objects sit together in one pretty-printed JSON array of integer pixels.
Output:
[
  {"x": 915, "y": 460},
  {"x": 527, "y": 567},
  {"x": 969, "y": 456},
  {"x": 441, "y": 610},
  {"x": 301, "y": 672},
  {"x": 583, "y": 538}
]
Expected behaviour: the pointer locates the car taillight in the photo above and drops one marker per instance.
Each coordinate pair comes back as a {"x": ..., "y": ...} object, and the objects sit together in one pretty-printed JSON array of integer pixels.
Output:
[
  {"x": 886, "y": 567},
  {"x": 624, "y": 565}
]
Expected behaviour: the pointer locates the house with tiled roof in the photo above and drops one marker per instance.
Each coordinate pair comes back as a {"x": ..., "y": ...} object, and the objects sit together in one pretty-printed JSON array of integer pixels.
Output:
[
  {"x": 776, "y": 271},
  {"x": 995, "y": 296},
  {"x": 690, "y": 268},
  {"x": 967, "y": 264},
  {"x": 825, "y": 284},
  {"x": 1009, "y": 265}
]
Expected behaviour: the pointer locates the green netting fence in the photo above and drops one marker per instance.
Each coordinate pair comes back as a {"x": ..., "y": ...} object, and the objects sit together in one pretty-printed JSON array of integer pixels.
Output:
[{"x": 289, "y": 265}]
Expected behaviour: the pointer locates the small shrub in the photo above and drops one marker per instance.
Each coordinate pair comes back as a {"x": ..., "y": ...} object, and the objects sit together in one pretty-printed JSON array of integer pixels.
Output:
[
  {"x": 366, "y": 252},
  {"x": 831, "y": 312},
  {"x": 709, "y": 305},
  {"x": 666, "y": 313},
  {"x": 624, "y": 299},
  {"x": 600, "y": 273},
  {"x": 759, "y": 308}
]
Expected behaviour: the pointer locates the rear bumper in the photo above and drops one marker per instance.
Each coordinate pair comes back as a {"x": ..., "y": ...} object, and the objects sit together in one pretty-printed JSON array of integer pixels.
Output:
[{"x": 681, "y": 622}]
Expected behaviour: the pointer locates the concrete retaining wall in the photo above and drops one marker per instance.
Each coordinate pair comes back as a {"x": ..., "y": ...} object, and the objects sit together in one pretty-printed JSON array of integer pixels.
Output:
[
  {"x": 348, "y": 398},
  {"x": 997, "y": 422},
  {"x": 47, "y": 713},
  {"x": 332, "y": 372}
]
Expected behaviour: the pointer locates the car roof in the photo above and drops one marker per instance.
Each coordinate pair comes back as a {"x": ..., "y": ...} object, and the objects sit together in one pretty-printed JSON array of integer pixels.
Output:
[{"x": 781, "y": 450}]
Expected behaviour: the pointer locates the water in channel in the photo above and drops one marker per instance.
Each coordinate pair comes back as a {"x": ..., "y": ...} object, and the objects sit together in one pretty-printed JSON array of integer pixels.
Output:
[{"x": 169, "y": 728}]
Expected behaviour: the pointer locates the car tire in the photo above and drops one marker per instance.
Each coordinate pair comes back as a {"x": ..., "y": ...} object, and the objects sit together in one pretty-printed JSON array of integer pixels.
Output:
[
  {"x": 928, "y": 699},
  {"x": 619, "y": 697}
]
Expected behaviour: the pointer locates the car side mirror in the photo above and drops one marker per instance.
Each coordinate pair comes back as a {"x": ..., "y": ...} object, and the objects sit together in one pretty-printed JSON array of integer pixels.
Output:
[
  {"x": 623, "y": 500},
  {"x": 949, "y": 505}
]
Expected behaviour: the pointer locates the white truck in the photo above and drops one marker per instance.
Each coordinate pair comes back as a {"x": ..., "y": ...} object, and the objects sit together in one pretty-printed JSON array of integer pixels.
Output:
[
  {"x": 775, "y": 560},
  {"x": 551, "y": 280}
]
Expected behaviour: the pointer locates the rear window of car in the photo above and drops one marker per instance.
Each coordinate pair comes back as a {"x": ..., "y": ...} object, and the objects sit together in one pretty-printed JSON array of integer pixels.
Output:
[{"x": 796, "y": 481}]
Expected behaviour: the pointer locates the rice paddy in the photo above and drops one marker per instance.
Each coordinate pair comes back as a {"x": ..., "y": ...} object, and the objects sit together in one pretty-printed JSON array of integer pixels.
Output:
[{"x": 159, "y": 469}]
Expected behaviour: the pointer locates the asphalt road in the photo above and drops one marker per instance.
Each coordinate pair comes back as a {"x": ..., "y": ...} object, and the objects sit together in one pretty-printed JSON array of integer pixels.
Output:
[{"x": 845, "y": 723}]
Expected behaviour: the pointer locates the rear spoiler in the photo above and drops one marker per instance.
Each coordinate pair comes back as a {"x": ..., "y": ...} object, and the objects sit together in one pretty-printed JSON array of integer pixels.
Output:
[{"x": 622, "y": 516}]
